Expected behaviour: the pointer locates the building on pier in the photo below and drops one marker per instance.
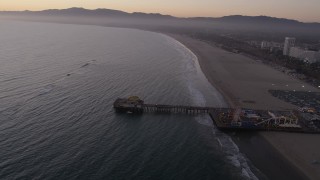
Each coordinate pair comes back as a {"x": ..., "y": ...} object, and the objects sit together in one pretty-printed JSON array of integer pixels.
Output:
[{"x": 132, "y": 104}]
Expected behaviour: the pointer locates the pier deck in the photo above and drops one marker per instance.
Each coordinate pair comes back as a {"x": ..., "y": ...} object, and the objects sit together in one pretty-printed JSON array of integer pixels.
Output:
[
  {"x": 232, "y": 119},
  {"x": 178, "y": 109}
]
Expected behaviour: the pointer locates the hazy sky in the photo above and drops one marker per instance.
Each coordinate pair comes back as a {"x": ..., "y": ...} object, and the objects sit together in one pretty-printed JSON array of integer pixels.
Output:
[{"x": 304, "y": 10}]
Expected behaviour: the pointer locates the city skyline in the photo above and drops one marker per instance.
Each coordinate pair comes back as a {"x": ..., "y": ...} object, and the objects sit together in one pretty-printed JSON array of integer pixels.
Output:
[{"x": 291, "y": 9}]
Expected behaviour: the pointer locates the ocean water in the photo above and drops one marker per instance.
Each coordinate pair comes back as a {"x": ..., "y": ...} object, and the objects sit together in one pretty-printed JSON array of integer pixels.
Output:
[{"x": 57, "y": 86}]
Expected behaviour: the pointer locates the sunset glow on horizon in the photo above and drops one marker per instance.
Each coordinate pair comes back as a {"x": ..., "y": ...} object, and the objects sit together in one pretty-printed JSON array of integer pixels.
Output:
[{"x": 307, "y": 10}]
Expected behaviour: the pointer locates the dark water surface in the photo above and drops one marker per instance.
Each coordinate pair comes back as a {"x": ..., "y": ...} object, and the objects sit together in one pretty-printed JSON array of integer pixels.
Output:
[{"x": 57, "y": 86}]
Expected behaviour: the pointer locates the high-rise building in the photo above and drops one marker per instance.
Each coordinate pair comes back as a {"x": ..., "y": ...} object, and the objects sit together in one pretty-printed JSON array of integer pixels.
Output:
[{"x": 288, "y": 43}]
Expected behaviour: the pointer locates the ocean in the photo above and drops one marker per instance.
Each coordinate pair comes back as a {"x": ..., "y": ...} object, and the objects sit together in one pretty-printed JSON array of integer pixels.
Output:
[{"x": 57, "y": 86}]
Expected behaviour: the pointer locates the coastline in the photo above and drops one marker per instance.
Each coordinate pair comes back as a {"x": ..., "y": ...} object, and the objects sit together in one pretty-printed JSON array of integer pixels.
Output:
[
  {"x": 275, "y": 141},
  {"x": 276, "y": 154}
]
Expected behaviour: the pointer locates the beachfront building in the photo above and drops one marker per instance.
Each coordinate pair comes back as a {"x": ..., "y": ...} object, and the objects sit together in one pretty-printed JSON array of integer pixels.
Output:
[
  {"x": 288, "y": 44},
  {"x": 268, "y": 45},
  {"x": 272, "y": 46},
  {"x": 254, "y": 43},
  {"x": 265, "y": 45},
  {"x": 305, "y": 55}
]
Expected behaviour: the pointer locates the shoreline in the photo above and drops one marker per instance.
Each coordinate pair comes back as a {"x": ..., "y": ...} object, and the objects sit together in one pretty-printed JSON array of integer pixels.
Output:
[
  {"x": 266, "y": 141},
  {"x": 272, "y": 138},
  {"x": 227, "y": 96}
]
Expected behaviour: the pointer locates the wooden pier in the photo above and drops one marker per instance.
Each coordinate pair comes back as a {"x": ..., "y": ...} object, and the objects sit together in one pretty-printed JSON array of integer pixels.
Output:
[
  {"x": 135, "y": 105},
  {"x": 227, "y": 118},
  {"x": 177, "y": 109}
]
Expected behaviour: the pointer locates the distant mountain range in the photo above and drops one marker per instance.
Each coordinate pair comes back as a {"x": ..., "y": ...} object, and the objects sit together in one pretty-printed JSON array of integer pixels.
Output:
[
  {"x": 116, "y": 13},
  {"x": 87, "y": 12}
]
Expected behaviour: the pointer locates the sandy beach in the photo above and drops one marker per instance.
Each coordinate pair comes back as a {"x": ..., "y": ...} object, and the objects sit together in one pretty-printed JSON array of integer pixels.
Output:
[{"x": 245, "y": 82}]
